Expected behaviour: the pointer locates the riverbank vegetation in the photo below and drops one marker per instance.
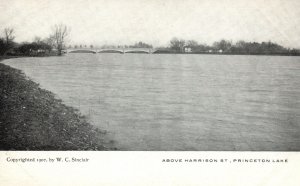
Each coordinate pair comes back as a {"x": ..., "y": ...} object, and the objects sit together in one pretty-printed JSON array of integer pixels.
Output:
[
  {"x": 56, "y": 44},
  {"x": 228, "y": 47},
  {"x": 33, "y": 119},
  {"x": 7, "y": 43},
  {"x": 181, "y": 46},
  {"x": 49, "y": 46}
]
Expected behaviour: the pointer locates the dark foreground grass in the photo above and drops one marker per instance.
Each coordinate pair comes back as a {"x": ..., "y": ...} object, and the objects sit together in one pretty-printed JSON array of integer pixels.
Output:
[{"x": 33, "y": 119}]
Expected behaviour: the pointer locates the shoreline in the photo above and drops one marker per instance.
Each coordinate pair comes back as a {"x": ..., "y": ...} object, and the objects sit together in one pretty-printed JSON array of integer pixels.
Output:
[
  {"x": 162, "y": 52},
  {"x": 227, "y": 54},
  {"x": 184, "y": 53},
  {"x": 33, "y": 119}
]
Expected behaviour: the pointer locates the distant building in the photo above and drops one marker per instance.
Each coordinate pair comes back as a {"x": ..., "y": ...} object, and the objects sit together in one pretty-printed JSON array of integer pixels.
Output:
[{"x": 187, "y": 49}]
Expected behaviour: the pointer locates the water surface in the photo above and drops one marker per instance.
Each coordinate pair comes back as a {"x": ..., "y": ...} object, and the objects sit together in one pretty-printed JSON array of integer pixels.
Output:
[{"x": 179, "y": 102}]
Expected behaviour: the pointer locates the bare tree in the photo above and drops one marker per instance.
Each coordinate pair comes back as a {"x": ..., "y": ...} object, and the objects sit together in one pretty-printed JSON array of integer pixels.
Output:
[
  {"x": 177, "y": 44},
  {"x": 59, "y": 37},
  {"x": 9, "y": 35},
  {"x": 223, "y": 45},
  {"x": 7, "y": 41},
  {"x": 50, "y": 41},
  {"x": 192, "y": 43}
]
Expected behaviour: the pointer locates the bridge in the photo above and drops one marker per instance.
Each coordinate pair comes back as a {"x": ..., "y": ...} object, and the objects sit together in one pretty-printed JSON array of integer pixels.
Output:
[{"x": 111, "y": 50}]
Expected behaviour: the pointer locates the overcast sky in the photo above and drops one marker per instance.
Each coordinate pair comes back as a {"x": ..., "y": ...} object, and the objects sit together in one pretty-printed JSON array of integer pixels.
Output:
[{"x": 156, "y": 21}]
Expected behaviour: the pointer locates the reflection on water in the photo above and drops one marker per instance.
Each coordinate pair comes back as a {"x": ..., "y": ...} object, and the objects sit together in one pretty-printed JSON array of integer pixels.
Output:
[{"x": 180, "y": 102}]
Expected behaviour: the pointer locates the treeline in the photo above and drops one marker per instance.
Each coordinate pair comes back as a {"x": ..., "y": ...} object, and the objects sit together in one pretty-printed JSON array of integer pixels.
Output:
[
  {"x": 55, "y": 44},
  {"x": 228, "y": 47},
  {"x": 38, "y": 47},
  {"x": 139, "y": 44},
  {"x": 52, "y": 45}
]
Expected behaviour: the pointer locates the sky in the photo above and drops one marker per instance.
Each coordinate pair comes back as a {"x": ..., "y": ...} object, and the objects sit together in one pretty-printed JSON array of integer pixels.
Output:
[{"x": 99, "y": 22}]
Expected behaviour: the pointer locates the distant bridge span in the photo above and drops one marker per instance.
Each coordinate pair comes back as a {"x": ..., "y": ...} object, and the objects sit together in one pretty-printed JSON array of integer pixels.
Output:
[{"x": 111, "y": 50}]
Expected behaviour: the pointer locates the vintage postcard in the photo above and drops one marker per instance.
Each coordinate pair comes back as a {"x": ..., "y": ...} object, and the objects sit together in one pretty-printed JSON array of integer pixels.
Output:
[{"x": 157, "y": 92}]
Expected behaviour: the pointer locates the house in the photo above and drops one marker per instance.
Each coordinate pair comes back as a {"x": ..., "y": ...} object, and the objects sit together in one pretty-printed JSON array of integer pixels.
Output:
[{"x": 187, "y": 49}]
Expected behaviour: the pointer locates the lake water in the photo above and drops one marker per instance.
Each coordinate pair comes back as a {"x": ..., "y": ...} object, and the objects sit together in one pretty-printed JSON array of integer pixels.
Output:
[{"x": 179, "y": 102}]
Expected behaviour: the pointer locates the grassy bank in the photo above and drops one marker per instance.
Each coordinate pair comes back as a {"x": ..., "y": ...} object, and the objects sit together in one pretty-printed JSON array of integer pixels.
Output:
[{"x": 33, "y": 119}]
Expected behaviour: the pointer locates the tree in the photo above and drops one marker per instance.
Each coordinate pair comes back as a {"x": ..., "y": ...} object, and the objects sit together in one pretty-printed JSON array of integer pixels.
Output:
[
  {"x": 60, "y": 36},
  {"x": 50, "y": 41},
  {"x": 2, "y": 46},
  {"x": 34, "y": 49},
  {"x": 222, "y": 45},
  {"x": 141, "y": 45},
  {"x": 177, "y": 44},
  {"x": 37, "y": 39},
  {"x": 7, "y": 41},
  {"x": 192, "y": 43}
]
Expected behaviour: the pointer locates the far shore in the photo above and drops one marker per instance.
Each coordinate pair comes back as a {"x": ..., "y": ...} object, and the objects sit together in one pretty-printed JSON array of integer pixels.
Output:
[{"x": 185, "y": 53}]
